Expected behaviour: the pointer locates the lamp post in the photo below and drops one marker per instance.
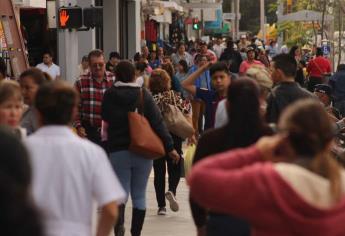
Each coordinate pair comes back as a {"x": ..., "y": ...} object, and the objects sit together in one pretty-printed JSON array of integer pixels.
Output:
[{"x": 262, "y": 19}]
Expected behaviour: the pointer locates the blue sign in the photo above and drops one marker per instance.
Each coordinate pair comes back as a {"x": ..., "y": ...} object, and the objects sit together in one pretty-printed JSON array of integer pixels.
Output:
[
  {"x": 215, "y": 24},
  {"x": 326, "y": 50}
]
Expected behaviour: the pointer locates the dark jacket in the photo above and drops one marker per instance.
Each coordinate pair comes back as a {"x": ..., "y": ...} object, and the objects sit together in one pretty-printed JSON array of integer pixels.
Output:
[
  {"x": 282, "y": 95},
  {"x": 337, "y": 81},
  {"x": 233, "y": 59},
  {"x": 117, "y": 102}
]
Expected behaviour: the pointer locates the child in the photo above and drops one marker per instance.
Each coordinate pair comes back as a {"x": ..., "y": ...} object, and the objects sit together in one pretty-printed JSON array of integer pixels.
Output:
[{"x": 11, "y": 107}]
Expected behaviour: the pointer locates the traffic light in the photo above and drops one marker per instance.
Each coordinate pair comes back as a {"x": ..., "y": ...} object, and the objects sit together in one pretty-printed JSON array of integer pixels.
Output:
[
  {"x": 196, "y": 24},
  {"x": 70, "y": 17},
  {"x": 93, "y": 17}
]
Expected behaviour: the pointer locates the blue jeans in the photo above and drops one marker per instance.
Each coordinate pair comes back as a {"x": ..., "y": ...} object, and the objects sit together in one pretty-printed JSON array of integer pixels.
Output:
[{"x": 133, "y": 172}]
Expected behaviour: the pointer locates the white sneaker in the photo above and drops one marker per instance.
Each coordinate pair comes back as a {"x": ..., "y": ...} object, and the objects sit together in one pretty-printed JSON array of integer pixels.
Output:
[
  {"x": 162, "y": 211},
  {"x": 172, "y": 201}
]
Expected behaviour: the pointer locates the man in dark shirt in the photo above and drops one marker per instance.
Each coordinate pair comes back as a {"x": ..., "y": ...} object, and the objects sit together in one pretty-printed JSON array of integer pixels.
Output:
[
  {"x": 114, "y": 59},
  {"x": 286, "y": 90}
]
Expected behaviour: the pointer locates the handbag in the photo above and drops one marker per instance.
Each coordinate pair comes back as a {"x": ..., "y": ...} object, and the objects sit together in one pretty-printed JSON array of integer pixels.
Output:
[
  {"x": 176, "y": 122},
  {"x": 144, "y": 141}
]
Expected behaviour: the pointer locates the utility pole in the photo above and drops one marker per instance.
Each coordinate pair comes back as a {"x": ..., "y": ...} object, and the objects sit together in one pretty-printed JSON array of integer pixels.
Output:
[
  {"x": 237, "y": 18},
  {"x": 68, "y": 48},
  {"x": 262, "y": 19}
]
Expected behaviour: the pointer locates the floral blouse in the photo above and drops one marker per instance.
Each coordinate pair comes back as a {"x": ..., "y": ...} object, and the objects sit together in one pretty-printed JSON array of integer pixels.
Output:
[{"x": 167, "y": 98}]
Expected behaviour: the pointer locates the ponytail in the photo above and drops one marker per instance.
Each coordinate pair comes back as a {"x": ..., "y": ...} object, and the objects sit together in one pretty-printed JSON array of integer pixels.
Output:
[{"x": 325, "y": 165}]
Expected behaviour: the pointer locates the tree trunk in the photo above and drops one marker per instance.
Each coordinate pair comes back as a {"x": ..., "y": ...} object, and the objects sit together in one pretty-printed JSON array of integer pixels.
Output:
[{"x": 324, "y": 6}]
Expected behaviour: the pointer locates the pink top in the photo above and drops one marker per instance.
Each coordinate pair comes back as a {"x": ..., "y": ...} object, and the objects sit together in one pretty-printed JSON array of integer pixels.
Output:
[
  {"x": 241, "y": 184},
  {"x": 245, "y": 65}
]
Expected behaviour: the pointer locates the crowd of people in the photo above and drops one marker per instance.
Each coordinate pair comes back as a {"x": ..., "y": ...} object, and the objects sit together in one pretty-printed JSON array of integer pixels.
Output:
[{"x": 264, "y": 123}]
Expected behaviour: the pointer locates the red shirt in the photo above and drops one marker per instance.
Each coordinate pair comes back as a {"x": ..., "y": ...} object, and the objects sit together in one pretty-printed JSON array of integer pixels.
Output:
[
  {"x": 241, "y": 184},
  {"x": 319, "y": 66},
  {"x": 245, "y": 65},
  {"x": 91, "y": 97}
]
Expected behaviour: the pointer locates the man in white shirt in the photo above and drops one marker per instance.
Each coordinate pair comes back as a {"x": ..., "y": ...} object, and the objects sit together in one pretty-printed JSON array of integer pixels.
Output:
[
  {"x": 218, "y": 48},
  {"x": 49, "y": 67},
  {"x": 69, "y": 172}
]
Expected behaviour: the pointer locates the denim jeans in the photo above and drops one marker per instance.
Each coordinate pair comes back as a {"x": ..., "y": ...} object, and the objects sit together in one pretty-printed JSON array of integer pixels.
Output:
[{"x": 133, "y": 172}]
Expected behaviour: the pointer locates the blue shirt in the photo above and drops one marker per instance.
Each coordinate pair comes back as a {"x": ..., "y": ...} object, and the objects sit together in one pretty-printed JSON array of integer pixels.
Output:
[
  {"x": 204, "y": 80},
  {"x": 211, "y": 100}
]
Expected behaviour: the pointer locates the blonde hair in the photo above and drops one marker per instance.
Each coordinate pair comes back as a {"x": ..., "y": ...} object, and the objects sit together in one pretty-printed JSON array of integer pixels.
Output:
[
  {"x": 310, "y": 133},
  {"x": 10, "y": 89}
]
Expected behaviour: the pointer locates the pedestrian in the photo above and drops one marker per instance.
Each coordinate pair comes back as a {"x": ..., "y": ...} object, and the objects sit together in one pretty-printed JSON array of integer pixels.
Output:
[
  {"x": 145, "y": 52},
  {"x": 273, "y": 48},
  {"x": 286, "y": 90},
  {"x": 175, "y": 83},
  {"x": 295, "y": 52},
  {"x": 246, "y": 64},
  {"x": 207, "y": 52},
  {"x": 141, "y": 75},
  {"x": 11, "y": 107},
  {"x": 163, "y": 95},
  {"x": 132, "y": 169},
  {"x": 69, "y": 172},
  {"x": 337, "y": 82},
  {"x": 263, "y": 78},
  {"x": 181, "y": 54},
  {"x": 160, "y": 54},
  {"x": 83, "y": 67},
  {"x": 287, "y": 184},
  {"x": 220, "y": 81},
  {"x": 324, "y": 93},
  {"x": 246, "y": 125},
  {"x": 91, "y": 88},
  {"x": 244, "y": 43},
  {"x": 3, "y": 70},
  {"x": 19, "y": 215},
  {"x": 262, "y": 57},
  {"x": 30, "y": 81},
  {"x": 218, "y": 48},
  {"x": 154, "y": 61},
  {"x": 182, "y": 74},
  {"x": 114, "y": 59},
  {"x": 48, "y": 66},
  {"x": 232, "y": 58},
  {"x": 317, "y": 69}
]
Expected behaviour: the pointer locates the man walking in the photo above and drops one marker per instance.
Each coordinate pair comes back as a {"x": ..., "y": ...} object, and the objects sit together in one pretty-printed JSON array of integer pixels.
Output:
[
  {"x": 245, "y": 65},
  {"x": 69, "y": 172},
  {"x": 49, "y": 67},
  {"x": 91, "y": 88},
  {"x": 286, "y": 90}
]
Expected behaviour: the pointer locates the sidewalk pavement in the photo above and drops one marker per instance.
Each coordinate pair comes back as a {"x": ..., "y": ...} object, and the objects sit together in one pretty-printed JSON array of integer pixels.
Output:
[{"x": 173, "y": 224}]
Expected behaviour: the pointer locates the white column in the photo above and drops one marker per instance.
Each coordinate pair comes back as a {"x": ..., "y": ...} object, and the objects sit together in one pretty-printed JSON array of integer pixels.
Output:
[
  {"x": 134, "y": 28},
  {"x": 68, "y": 49}
]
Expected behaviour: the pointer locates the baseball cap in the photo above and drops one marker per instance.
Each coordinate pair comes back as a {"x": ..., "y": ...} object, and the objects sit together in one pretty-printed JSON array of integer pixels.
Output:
[
  {"x": 323, "y": 88},
  {"x": 250, "y": 49},
  {"x": 243, "y": 36}
]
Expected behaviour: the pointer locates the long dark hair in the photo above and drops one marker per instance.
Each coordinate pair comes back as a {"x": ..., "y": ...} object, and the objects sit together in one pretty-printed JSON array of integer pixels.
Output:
[
  {"x": 18, "y": 215},
  {"x": 246, "y": 123}
]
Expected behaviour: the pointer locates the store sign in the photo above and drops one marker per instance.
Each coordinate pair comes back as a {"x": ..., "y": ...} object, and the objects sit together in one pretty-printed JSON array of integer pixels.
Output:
[
  {"x": 215, "y": 24},
  {"x": 70, "y": 17}
]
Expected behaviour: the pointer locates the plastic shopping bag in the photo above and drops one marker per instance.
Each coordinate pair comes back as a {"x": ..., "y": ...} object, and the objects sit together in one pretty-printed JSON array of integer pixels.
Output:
[{"x": 188, "y": 160}]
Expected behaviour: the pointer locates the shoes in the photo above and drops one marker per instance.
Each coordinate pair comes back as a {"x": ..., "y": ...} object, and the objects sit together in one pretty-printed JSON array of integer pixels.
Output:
[
  {"x": 172, "y": 201},
  {"x": 162, "y": 211}
]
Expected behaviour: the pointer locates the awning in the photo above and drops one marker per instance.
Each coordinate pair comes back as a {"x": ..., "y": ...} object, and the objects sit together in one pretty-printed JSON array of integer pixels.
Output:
[
  {"x": 165, "y": 18},
  {"x": 304, "y": 15},
  {"x": 173, "y": 6}
]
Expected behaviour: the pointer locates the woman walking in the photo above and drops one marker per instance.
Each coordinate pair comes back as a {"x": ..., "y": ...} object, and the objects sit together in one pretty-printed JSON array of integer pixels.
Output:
[
  {"x": 132, "y": 169},
  {"x": 160, "y": 86},
  {"x": 245, "y": 127}
]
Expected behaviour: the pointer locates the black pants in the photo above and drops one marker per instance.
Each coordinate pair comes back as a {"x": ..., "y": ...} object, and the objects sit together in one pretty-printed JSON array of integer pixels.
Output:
[
  {"x": 94, "y": 135},
  {"x": 174, "y": 173},
  {"x": 225, "y": 225}
]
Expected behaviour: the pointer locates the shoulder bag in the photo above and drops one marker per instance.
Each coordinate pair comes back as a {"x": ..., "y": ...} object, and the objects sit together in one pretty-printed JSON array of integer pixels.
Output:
[
  {"x": 144, "y": 141},
  {"x": 175, "y": 120}
]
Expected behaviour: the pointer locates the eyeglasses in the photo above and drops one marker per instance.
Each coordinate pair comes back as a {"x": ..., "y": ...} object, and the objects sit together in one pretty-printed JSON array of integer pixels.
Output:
[{"x": 96, "y": 65}]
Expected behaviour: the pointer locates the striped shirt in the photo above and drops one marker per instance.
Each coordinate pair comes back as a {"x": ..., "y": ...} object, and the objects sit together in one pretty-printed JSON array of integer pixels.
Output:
[{"x": 91, "y": 97}]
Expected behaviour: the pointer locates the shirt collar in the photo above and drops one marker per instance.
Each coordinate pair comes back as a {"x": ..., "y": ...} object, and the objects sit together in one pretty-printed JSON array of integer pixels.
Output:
[{"x": 55, "y": 130}]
